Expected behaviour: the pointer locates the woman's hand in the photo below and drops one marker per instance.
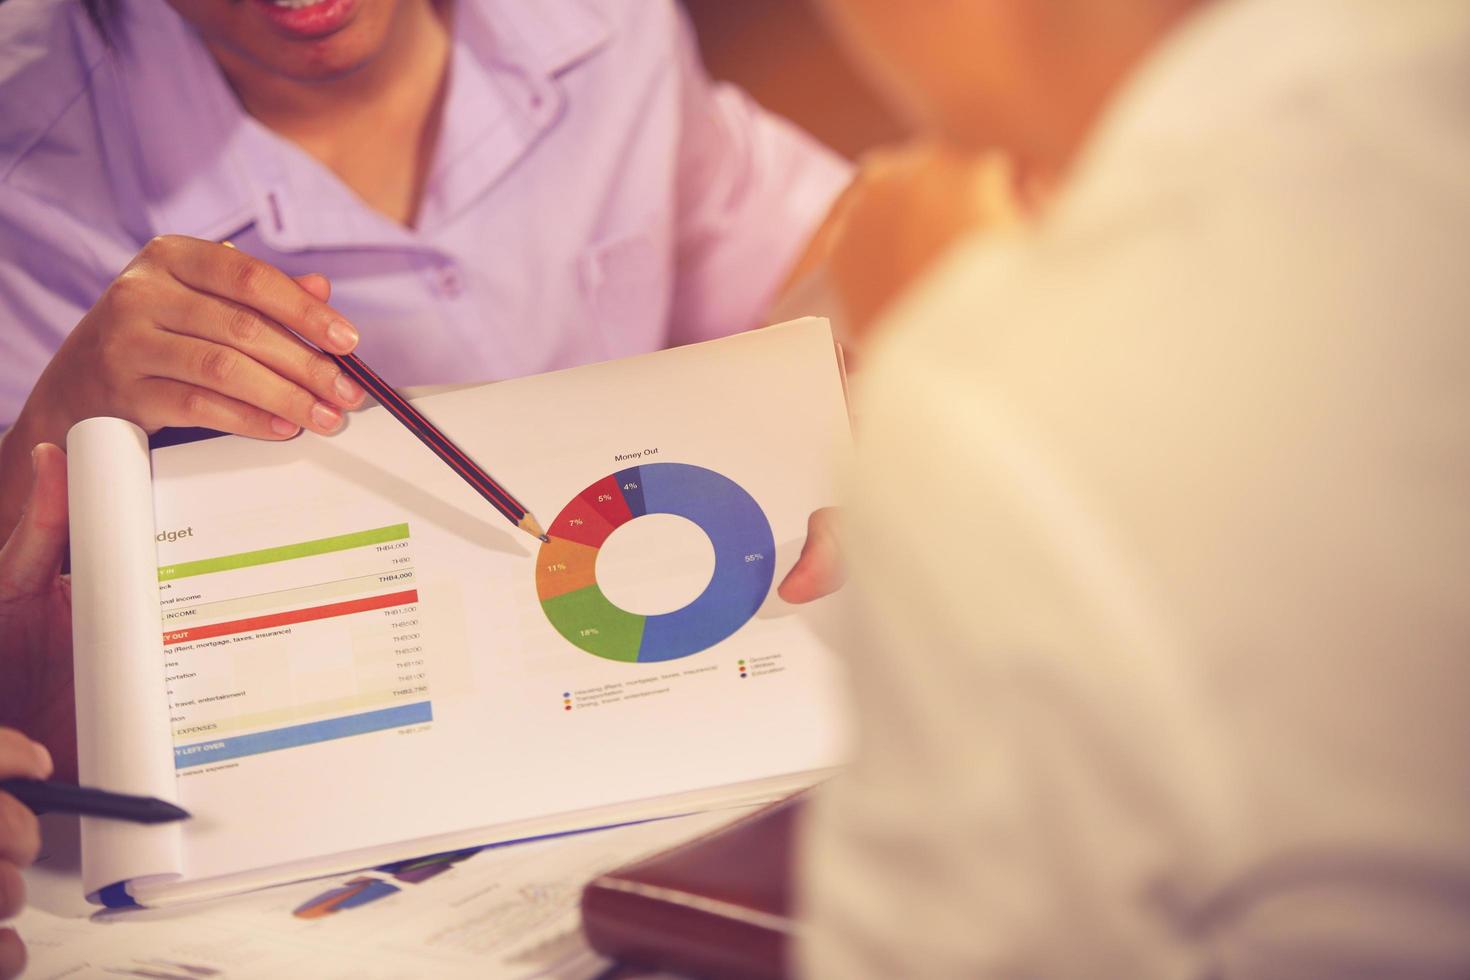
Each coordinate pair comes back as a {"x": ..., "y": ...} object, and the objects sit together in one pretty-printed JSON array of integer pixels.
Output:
[
  {"x": 35, "y": 618},
  {"x": 35, "y": 677},
  {"x": 20, "y": 840},
  {"x": 192, "y": 333},
  {"x": 195, "y": 333}
]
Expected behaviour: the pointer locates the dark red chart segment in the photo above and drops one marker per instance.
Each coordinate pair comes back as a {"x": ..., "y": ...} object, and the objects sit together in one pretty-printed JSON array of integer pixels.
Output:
[{"x": 606, "y": 498}]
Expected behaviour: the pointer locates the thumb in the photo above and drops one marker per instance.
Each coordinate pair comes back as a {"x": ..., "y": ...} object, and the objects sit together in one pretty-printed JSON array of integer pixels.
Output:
[
  {"x": 31, "y": 559},
  {"x": 316, "y": 284},
  {"x": 819, "y": 571}
]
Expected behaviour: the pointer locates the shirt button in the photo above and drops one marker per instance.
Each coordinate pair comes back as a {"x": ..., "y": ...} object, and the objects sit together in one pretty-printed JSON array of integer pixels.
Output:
[{"x": 450, "y": 282}]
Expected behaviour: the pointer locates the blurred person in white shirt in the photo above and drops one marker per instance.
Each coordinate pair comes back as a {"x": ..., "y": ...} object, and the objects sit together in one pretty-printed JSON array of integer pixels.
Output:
[{"x": 1159, "y": 538}]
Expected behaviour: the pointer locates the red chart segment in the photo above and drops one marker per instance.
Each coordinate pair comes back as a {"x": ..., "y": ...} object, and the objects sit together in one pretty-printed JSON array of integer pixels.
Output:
[
  {"x": 606, "y": 498},
  {"x": 579, "y": 521}
]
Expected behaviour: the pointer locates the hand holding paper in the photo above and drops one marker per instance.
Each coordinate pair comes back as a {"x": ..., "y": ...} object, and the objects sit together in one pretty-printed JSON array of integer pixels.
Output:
[
  {"x": 819, "y": 571},
  {"x": 35, "y": 617},
  {"x": 460, "y": 682}
]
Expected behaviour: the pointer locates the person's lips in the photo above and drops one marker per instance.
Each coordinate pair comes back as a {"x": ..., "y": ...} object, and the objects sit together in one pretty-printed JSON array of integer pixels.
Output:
[{"x": 307, "y": 18}]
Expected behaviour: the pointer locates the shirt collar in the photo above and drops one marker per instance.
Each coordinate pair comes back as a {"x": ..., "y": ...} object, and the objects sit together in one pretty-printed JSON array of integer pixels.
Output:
[
  {"x": 186, "y": 123},
  {"x": 503, "y": 92},
  {"x": 220, "y": 171},
  {"x": 550, "y": 36}
]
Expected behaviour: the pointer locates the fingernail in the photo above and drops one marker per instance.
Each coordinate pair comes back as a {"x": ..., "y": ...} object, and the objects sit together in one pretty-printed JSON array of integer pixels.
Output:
[
  {"x": 348, "y": 390},
  {"x": 325, "y": 416},
  {"x": 43, "y": 758},
  {"x": 342, "y": 335},
  {"x": 283, "y": 428}
]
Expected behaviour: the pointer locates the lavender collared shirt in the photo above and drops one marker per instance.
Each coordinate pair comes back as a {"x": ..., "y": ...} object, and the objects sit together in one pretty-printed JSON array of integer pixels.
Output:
[{"x": 592, "y": 194}]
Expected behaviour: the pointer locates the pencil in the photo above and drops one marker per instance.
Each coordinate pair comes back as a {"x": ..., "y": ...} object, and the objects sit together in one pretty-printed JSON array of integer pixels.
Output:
[
  {"x": 40, "y": 797},
  {"x": 441, "y": 445}
]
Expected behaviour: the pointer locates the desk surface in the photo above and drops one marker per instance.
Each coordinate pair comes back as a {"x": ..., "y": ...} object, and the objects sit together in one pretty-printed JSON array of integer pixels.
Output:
[{"x": 502, "y": 912}]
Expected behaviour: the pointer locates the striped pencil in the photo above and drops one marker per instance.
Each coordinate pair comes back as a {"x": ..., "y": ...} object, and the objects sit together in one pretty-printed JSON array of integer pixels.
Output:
[{"x": 441, "y": 445}]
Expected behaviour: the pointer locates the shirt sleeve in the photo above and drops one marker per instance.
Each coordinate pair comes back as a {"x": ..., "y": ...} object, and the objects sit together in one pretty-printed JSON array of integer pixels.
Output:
[
  {"x": 752, "y": 189},
  {"x": 50, "y": 275}
]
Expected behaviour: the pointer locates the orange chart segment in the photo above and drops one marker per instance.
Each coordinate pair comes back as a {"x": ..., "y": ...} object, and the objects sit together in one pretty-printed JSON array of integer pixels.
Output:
[
  {"x": 579, "y": 521},
  {"x": 564, "y": 566}
]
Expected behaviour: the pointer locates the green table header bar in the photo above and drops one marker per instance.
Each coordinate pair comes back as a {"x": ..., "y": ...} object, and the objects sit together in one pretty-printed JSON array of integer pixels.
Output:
[{"x": 285, "y": 552}]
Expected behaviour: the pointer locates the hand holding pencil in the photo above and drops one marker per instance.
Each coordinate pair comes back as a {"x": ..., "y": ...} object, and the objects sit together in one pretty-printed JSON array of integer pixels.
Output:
[
  {"x": 20, "y": 839},
  {"x": 36, "y": 694},
  {"x": 422, "y": 429}
]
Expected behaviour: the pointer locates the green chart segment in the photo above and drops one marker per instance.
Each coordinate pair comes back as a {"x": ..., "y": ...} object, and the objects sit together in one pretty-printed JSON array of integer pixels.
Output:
[{"x": 566, "y": 570}]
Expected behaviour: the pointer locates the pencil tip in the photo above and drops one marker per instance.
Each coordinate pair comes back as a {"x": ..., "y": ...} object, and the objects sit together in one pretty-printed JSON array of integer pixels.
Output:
[{"x": 530, "y": 525}]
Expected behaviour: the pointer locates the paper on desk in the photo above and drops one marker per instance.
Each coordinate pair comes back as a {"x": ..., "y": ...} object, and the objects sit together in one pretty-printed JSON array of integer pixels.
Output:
[{"x": 505, "y": 912}]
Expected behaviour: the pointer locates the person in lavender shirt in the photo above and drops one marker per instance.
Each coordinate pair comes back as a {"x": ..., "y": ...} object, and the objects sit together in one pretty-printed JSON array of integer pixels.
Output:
[{"x": 460, "y": 191}]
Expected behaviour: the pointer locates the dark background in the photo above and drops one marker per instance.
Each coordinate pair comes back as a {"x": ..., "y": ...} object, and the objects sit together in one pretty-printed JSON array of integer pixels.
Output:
[{"x": 781, "y": 53}]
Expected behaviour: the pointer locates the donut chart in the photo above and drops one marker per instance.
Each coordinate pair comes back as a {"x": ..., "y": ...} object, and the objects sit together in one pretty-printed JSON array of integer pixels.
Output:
[{"x": 566, "y": 566}]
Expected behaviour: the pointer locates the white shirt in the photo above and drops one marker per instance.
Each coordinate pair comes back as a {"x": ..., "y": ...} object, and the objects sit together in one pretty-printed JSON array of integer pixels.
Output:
[{"x": 1161, "y": 541}]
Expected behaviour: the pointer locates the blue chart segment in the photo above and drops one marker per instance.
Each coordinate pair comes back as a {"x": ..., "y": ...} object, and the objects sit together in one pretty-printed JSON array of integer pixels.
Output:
[{"x": 744, "y": 547}]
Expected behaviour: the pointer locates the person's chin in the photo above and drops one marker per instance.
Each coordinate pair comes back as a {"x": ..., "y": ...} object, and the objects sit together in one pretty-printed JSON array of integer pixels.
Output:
[
  {"x": 323, "y": 69},
  {"x": 316, "y": 41}
]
